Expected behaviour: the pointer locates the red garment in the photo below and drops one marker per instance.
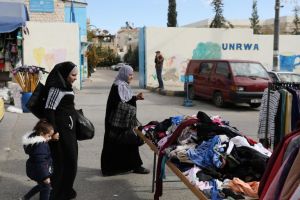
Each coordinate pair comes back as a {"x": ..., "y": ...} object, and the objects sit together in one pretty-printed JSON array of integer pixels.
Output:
[
  {"x": 250, "y": 140},
  {"x": 275, "y": 163},
  {"x": 175, "y": 135}
]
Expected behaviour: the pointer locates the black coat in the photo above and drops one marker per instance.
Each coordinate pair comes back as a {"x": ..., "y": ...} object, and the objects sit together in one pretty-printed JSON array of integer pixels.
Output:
[{"x": 39, "y": 163}]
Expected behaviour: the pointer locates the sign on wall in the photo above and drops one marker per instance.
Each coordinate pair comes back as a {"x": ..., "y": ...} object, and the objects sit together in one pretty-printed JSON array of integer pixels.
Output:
[{"x": 41, "y": 6}]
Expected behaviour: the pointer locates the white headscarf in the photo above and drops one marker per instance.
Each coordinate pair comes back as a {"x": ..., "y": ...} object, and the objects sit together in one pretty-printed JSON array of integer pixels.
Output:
[{"x": 124, "y": 89}]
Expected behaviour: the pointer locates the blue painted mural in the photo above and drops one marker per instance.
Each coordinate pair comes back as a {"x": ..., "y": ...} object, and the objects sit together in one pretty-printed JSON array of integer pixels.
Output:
[
  {"x": 208, "y": 50},
  {"x": 289, "y": 62}
]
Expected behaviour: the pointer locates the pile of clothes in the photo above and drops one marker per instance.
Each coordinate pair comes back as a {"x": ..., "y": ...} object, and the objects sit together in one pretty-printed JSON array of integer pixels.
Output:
[{"x": 215, "y": 157}]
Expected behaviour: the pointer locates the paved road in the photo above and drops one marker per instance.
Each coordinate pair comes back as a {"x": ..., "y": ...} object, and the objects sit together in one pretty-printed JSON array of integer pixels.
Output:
[{"x": 89, "y": 184}]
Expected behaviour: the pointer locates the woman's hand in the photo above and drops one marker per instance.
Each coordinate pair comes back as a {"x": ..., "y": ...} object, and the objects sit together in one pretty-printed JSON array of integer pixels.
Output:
[
  {"x": 55, "y": 136},
  {"x": 140, "y": 96},
  {"x": 47, "y": 181}
]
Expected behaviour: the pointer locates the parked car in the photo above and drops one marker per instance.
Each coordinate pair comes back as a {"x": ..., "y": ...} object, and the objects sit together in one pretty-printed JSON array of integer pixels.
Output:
[
  {"x": 235, "y": 81},
  {"x": 284, "y": 76}
]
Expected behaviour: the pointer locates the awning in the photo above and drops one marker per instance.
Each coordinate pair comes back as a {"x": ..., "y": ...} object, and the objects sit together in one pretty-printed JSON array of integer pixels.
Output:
[{"x": 12, "y": 16}]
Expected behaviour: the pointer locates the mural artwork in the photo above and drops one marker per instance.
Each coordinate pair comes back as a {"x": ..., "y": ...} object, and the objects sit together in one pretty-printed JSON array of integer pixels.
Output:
[
  {"x": 173, "y": 68},
  {"x": 48, "y": 58},
  {"x": 290, "y": 62},
  {"x": 208, "y": 50}
]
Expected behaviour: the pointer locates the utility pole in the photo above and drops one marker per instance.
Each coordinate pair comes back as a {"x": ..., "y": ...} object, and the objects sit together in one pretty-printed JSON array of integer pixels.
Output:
[{"x": 276, "y": 37}]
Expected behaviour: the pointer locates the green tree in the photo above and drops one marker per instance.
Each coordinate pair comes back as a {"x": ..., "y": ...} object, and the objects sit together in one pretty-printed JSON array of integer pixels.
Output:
[
  {"x": 254, "y": 19},
  {"x": 132, "y": 58},
  {"x": 219, "y": 21},
  {"x": 172, "y": 14},
  {"x": 296, "y": 21},
  {"x": 90, "y": 35}
]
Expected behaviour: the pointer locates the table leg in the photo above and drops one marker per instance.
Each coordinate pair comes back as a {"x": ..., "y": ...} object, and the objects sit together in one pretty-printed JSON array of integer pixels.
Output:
[{"x": 153, "y": 172}]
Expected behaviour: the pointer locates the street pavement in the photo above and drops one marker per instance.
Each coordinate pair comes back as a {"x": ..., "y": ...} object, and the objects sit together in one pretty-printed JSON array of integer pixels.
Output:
[{"x": 89, "y": 183}]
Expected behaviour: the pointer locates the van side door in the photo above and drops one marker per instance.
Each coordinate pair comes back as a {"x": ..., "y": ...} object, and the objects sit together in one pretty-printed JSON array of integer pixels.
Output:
[
  {"x": 221, "y": 80},
  {"x": 202, "y": 79}
]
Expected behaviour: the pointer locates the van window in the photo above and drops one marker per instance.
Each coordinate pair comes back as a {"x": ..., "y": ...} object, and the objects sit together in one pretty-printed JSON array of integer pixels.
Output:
[
  {"x": 205, "y": 68},
  {"x": 222, "y": 69},
  {"x": 248, "y": 69}
]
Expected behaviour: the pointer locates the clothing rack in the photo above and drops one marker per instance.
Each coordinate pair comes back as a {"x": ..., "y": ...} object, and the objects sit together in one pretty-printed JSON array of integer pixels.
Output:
[{"x": 276, "y": 86}]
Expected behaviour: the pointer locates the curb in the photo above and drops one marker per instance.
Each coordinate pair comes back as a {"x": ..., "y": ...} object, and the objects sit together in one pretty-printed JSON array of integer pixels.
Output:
[{"x": 166, "y": 92}]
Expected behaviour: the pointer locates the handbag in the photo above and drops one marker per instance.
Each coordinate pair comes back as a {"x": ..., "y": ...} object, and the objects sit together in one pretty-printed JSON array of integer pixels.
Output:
[
  {"x": 84, "y": 127},
  {"x": 122, "y": 122},
  {"x": 128, "y": 136},
  {"x": 37, "y": 101}
]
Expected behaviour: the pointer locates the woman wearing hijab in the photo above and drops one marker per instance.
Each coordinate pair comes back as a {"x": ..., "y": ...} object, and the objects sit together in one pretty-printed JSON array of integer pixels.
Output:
[
  {"x": 60, "y": 111},
  {"x": 116, "y": 157}
]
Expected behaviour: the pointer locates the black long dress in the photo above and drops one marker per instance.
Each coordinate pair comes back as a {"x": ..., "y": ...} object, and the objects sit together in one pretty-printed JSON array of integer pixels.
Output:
[
  {"x": 61, "y": 113},
  {"x": 117, "y": 158},
  {"x": 65, "y": 150}
]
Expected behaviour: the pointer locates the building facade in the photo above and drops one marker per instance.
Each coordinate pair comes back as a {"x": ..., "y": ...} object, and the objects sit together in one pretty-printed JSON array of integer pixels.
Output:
[{"x": 126, "y": 38}]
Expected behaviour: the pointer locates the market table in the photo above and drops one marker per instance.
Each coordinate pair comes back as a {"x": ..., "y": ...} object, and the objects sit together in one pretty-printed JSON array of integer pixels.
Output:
[{"x": 198, "y": 193}]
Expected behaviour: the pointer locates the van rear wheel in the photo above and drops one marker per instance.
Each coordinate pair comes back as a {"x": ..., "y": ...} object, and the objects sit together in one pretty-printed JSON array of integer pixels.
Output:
[{"x": 218, "y": 99}]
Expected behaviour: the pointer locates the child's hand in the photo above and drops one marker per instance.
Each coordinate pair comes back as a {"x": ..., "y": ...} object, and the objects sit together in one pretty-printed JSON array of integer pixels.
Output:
[
  {"x": 55, "y": 136},
  {"x": 47, "y": 181}
]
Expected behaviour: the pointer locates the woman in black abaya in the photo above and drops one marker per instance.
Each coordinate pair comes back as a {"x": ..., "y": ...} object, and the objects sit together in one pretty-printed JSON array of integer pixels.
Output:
[
  {"x": 60, "y": 111},
  {"x": 119, "y": 158}
]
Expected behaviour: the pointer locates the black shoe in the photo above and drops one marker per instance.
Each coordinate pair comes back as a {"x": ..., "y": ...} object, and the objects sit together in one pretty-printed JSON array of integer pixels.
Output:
[
  {"x": 71, "y": 195},
  {"x": 141, "y": 170}
]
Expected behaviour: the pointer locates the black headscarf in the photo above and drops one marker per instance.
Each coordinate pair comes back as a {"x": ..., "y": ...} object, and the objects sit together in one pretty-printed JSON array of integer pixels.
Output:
[{"x": 58, "y": 76}]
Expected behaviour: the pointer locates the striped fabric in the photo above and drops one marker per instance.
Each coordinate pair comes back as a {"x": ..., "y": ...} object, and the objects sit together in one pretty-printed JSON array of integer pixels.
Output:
[
  {"x": 55, "y": 96},
  {"x": 273, "y": 107}
]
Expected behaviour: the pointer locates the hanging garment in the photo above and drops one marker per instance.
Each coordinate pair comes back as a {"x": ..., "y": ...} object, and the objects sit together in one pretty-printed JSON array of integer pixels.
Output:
[
  {"x": 273, "y": 107},
  {"x": 288, "y": 114},
  {"x": 295, "y": 108},
  {"x": 292, "y": 180},
  {"x": 278, "y": 181},
  {"x": 274, "y": 164}
]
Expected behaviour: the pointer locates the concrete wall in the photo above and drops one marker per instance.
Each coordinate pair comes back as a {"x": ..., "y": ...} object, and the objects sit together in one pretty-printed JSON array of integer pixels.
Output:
[
  {"x": 50, "y": 43},
  {"x": 179, "y": 45}
]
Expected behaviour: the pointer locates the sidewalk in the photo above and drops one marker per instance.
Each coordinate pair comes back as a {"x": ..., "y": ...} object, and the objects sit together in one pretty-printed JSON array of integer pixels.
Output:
[{"x": 167, "y": 91}]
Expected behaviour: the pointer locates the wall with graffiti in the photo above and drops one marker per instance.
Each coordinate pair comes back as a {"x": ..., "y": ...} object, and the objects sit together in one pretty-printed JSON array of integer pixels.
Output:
[
  {"x": 57, "y": 42},
  {"x": 289, "y": 57},
  {"x": 179, "y": 45}
]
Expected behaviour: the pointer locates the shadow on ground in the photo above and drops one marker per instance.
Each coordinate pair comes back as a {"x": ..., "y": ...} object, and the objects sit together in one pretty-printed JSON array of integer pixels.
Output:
[{"x": 90, "y": 184}]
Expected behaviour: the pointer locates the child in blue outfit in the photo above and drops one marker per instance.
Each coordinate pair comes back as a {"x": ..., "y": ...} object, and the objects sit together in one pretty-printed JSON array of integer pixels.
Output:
[{"x": 39, "y": 163}]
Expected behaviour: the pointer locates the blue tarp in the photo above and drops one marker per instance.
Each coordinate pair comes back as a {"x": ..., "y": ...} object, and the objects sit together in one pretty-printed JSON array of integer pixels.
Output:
[{"x": 12, "y": 16}]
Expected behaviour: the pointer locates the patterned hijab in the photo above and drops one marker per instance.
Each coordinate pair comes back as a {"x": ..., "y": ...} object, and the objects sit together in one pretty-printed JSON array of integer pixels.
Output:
[
  {"x": 121, "y": 81},
  {"x": 58, "y": 76}
]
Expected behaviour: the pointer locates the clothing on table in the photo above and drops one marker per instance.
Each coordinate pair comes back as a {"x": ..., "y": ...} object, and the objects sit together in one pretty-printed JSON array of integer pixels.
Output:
[
  {"x": 38, "y": 165},
  {"x": 61, "y": 113}
]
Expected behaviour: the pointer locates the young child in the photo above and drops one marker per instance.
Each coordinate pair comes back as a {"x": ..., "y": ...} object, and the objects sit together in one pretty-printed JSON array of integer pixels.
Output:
[{"x": 39, "y": 163}]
